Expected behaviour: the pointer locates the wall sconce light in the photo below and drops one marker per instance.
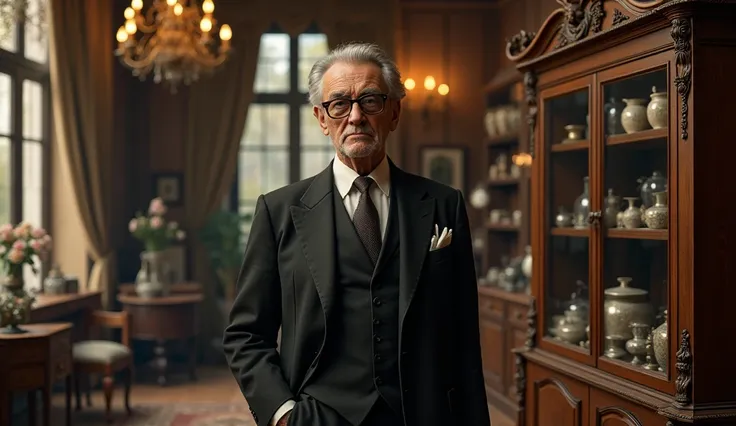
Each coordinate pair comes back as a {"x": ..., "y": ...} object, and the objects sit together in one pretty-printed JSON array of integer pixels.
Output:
[{"x": 430, "y": 103}]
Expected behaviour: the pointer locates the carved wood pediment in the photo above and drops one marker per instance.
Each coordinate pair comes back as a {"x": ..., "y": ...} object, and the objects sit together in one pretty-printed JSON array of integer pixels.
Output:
[{"x": 577, "y": 21}]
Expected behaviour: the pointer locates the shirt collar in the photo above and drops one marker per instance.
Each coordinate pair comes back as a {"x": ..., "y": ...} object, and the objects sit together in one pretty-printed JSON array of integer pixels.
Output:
[{"x": 345, "y": 176}]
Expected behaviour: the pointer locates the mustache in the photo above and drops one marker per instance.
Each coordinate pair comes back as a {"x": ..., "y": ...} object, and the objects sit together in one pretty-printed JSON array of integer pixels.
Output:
[{"x": 352, "y": 130}]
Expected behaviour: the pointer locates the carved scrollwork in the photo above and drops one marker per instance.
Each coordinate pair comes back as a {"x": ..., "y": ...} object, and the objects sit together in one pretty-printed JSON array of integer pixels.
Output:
[
  {"x": 520, "y": 380},
  {"x": 619, "y": 17},
  {"x": 684, "y": 365},
  {"x": 530, "y": 96},
  {"x": 680, "y": 33},
  {"x": 519, "y": 42},
  {"x": 531, "y": 321},
  {"x": 579, "y": 22}
]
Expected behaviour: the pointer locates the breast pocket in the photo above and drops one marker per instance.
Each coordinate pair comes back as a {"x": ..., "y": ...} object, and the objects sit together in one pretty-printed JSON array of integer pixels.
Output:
[{"x": 443, "y": 255}]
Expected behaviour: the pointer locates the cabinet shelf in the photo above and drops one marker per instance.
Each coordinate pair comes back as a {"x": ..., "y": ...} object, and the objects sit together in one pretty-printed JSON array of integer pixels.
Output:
[
  {"x": 503, "y": 182},
  {"x": 503, "y": 140},
  {"x": 501, "y": 227},
  {"x": 570, "y": 232},
  {"x": 641, "y": 138},
  {"x": 638, "y": 234},
  {"x": 572, "y": 146}
]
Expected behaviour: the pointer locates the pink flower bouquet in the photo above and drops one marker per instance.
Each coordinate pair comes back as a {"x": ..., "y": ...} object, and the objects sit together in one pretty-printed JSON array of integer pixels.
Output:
[
  {"x": 153, "y": 230},
  {"x": 22, "y": 244}
]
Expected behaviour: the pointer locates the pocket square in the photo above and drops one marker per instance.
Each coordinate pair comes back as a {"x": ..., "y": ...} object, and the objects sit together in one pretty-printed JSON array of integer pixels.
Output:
[{"x": 442, "y": 240}]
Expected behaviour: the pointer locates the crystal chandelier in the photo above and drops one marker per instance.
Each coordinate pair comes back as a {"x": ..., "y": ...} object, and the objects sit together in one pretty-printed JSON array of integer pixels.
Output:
[{"x": 176, "y": 42}]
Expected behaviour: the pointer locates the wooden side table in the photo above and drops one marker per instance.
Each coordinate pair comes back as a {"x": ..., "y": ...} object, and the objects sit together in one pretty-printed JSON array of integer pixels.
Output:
[
  {"x": 36, "y": 360},
  {"x": 176, "y": 288},
  {"x": 162, "y": 319}
]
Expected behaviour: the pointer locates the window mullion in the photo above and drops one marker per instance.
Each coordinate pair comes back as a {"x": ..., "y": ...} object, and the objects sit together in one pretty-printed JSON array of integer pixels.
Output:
[
  {"x": 294, "y": 118},
  {"x": 16, "y": 144}
]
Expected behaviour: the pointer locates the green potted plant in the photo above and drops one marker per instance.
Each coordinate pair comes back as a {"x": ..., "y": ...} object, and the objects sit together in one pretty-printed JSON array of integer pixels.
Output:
[{"x": 223, "y": 236}]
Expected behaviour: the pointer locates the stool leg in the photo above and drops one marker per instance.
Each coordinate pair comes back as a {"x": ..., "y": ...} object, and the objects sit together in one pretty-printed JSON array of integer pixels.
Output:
[
  {"x": 77, "y": 391},
  {"x": 32, "y": 408},
  {"x": 108, "y": 385},
  {"x": 128, "y": 383},
  {"x": 88, "y": 389},
  {"x": 68, "y": 397}
]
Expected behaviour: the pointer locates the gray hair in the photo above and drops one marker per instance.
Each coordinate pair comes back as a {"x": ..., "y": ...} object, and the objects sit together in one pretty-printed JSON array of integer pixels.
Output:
[{"x": 356, "y": 52}]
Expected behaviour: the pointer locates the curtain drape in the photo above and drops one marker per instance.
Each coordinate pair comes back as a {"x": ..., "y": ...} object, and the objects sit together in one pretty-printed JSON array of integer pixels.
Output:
[
  {"x": 82, "y": 94},
  {"x": 218, "y": 107}
]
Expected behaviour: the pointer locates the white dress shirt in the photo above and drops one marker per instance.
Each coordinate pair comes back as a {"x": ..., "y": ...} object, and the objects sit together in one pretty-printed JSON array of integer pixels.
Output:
[{"x": 379, "y": 193}]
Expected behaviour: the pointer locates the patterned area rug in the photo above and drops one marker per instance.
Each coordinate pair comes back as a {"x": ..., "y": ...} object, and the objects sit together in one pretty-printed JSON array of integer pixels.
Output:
[{"x": 201, "y": 414}]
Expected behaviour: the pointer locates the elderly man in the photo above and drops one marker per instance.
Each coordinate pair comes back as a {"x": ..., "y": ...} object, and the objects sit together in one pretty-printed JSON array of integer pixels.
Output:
[{"x": 369, "y": 272}]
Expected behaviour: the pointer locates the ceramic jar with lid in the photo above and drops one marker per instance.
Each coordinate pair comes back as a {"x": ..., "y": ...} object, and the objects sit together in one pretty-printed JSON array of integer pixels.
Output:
[
  {"x": 623, "y": 305},
  {"x": 54, "y": 282},
  {"x": 657, "y": 109}
]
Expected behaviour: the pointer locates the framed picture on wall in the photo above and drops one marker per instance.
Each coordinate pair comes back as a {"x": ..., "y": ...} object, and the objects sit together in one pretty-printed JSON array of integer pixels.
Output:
[
  {"x": 444, "y": 164},
  {"x": 169, "y": 186}
]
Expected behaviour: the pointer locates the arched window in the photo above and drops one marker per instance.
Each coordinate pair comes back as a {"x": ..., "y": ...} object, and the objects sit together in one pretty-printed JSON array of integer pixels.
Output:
[
  {"x": 282, "y": 142},
  {"x": 24, "y": 126}
]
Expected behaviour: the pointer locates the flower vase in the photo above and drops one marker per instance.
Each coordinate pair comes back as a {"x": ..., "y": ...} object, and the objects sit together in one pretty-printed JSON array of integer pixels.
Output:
[
  {"x": 152, "y": 278},
  {"x": 15, "y": 305}
]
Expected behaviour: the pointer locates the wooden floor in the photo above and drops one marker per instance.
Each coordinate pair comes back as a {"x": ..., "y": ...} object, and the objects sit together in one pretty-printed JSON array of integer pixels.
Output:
[{"x": 213, "y": 385}]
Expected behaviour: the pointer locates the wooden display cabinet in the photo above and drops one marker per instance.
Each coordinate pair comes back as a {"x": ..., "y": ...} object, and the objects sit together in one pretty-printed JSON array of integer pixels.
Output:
[
  {"x": 619, "y": 331},
  {"x": 504, "y": 237}
]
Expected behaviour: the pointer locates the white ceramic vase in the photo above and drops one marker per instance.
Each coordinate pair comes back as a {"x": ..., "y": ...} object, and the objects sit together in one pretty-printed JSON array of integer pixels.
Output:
[
  {"x": 634, "y": 115},
  {"x": 657, "y": 109}
]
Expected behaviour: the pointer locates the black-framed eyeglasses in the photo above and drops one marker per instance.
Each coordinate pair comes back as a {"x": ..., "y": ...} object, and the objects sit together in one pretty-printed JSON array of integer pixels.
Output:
[{"x": 370, "y": 104}]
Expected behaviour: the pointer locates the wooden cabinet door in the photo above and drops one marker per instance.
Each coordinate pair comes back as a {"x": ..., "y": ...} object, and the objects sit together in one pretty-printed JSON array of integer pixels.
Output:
[
  {"x": 492, "y": 347},
  {"x": 555, "y": 400}
]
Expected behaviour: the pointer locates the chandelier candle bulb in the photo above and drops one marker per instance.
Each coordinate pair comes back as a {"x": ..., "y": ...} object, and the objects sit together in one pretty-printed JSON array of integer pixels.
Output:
[
  {"x": 429, "y": 82},
  {"x": 410, "y": 84},
  {"x": 443, "y": 89},
  {"x": 177, "y": 43}
]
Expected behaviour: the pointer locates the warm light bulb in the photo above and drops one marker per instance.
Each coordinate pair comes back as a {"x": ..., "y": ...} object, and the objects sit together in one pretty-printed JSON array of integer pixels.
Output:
[
  {"x": 129, "y": 13},
  {"x": 208, "y": 6},
  {"x": 205, "y": 25},
  {"x": 122, "y": 35},
  {"x": 171, "y": 2},
  {"x": 130, "y": 26},
  {"x": 136, "y": 4},
  {"x": 410, "y": 84},
  {"x": 443, "y": 89},
  {"x": 225, "y": 32},
  {"x": 429, "y": 82},
  {"x": 178, "y": 9}
]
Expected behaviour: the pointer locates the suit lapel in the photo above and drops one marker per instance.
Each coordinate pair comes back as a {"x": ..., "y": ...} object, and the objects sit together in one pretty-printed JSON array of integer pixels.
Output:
[
  {"x": 416, "y": 219},
  {"x": 315, "y": 227}
]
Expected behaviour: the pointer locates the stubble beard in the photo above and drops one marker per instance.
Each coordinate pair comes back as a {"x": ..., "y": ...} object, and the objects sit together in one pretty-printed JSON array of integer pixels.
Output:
[{"x": 361, "y": 148}]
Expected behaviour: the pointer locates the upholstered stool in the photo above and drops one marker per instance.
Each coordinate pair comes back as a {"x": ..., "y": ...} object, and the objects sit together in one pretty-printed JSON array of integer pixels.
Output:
[{"x": 105, "y": 358}]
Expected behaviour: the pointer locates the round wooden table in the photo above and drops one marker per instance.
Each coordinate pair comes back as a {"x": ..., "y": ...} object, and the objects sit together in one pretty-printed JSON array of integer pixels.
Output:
[{"x": 162, "y": 319}]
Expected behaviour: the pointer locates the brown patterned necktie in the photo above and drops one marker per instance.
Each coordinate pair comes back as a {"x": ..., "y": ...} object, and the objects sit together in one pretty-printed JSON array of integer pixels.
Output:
[{"x": 365, "y": 219}]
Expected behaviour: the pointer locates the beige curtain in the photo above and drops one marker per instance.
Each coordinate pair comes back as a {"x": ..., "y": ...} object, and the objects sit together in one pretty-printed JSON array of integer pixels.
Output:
[
  {"x": 218, "y": 106},
  {"x": 82, "y": 93}
]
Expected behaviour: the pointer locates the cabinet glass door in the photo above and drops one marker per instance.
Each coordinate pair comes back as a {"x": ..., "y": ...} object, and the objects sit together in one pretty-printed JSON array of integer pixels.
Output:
[
  {"x": 635, "y": 221},
  {"x": 565, "y": 137}
]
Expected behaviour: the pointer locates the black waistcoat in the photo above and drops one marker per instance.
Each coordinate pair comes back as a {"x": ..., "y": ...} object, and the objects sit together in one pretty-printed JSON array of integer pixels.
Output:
[{"x": 360, "y": 360}]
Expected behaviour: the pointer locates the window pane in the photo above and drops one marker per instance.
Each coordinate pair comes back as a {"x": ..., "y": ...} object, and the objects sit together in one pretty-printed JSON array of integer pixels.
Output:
[
  {"x": 266, "y": 125},
  {"x": 272, "y": 72},
  {"x": 314, "y": 161},
  {"x": 32, "y": 110},
  {"x": 310, "y": 133},
  {"x": 8, "y": 33},
  {"x": 35, "y": 40},
  {"x": 5, "y": 104},
  {"x": 311, "y": 48},
  {"x": 260, "y": 172},
  {"x": 5, "y": 173},
  {"x": 33, "y": 183}
]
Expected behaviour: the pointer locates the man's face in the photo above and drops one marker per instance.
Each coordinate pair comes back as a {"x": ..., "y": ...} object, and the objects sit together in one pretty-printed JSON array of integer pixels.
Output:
[{"x": 358, "y": 135}]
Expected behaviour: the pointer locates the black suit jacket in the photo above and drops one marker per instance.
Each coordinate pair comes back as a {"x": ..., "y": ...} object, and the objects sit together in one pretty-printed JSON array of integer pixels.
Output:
[{"x": 288, "y": 280}]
